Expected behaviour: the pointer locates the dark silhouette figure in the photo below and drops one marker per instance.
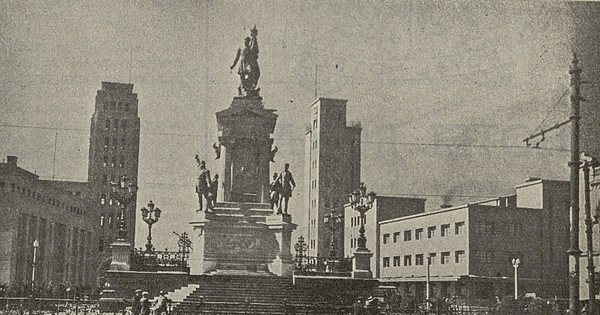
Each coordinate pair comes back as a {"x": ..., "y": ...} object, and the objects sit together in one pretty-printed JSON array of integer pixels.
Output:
[
  {"x": 357, "y": 307},
  {"x": 203, "y": 185},
  {"x": 145, "y": 304},
  {"x": 287, "y": 186},
  {"x": 136, "y": 306},
  {"x": 248, "y": 65},
  {"x": 214, "y": 188},
  {"x": 274, "y": 190}
]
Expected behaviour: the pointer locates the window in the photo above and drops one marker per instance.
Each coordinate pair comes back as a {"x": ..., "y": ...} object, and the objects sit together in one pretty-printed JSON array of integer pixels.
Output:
[
  {"x": 107, "y": 124},
  {"x": 105, "y": 160},
  {"x": 459, "y": 256},
  {"x": 407, "y": 235},
  {"x": 430, "y": 231},
  {"x": 122, "y": 143},
  {"x": 488, "y": 228},
  {"x": 102, "y": 220},
  {"x": 396, "y": 236},
  {"x": 418, "y": 234},
  {"x": 419, "y": 260},
  {"x": 114, "y": 143},
  {"x": 445, "y": 230},
  {"x": 486, "y": 256},
  {"x": 515, "y": 229},
  {"x": 315, "y": 124},
  {"x": 116, "y": 124},
  {"x": 104, "y": 179},
  {"x": 386, "y": 262},
  {"x": 106, "y": 142},
  {"x": 396, "y": 261},
  {"x": 101, "y": 245},
  {"x": 445, "y": 258},
  {"x": 431, "y": 258},
  {"x": 114, "y": 161},
  {"x": 407, "y": 260},
  {"x": 459, "y": 227},
  {"x": 386, "y": 238},
  {"x": 126, "y": 109}
]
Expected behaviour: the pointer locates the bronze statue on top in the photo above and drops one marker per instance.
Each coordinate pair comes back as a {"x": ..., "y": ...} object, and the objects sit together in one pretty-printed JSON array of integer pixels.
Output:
[
  {"x": 203, "y": 186},
  {"x": 248, "y": 66}
]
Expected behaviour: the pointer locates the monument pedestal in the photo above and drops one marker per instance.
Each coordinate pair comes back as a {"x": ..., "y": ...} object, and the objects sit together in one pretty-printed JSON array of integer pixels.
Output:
[
  {"x": 241, "y": 238},
  {"x": 121, "y": 255},
  {"x": 361, "y": 264}
]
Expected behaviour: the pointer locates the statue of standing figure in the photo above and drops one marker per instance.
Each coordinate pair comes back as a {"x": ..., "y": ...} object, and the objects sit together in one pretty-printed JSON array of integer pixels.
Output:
[
  {"x": 287, "y": 186},
  {"x": 203, "y": 185},
  {"x": 274, "y": 190},
  {"x": 248, "y": 65}
]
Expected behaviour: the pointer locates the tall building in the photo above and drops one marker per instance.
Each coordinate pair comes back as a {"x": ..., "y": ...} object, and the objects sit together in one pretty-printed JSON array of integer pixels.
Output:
[
  {"x": 53, "y": 215},
  {"x": 332, "y": 168},
  {"x": 114, "y": 151}
]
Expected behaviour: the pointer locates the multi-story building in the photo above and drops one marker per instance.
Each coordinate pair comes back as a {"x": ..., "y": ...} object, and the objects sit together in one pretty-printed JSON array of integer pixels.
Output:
[
  {"x": 114, "y": 151},
  {"x": 384, "y": 208},
  {"x": 57, "y": 216},
  {"x": 332, "y": 171},
  {"x": 469, "y": 249}
]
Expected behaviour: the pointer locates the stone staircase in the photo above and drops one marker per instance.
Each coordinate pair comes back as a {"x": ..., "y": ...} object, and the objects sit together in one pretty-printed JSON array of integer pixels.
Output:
[{"x": 239, "y": 294}]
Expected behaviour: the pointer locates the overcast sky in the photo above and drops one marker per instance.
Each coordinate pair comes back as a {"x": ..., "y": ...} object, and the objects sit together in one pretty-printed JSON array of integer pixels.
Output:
[{"x": 417, "y": 74}]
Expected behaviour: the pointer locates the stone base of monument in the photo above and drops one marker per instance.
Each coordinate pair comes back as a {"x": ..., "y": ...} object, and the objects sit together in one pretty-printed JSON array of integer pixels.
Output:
[
  {"x": 241, "y": 239},
  {"x": 121, "y": 253},
  {"x": 361, "y": 264}
]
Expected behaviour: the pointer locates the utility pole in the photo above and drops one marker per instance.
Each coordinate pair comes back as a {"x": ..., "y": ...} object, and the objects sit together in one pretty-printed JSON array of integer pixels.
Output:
[
  {"x": 589, "y": 224},
  {"x": 574, "y": 251}
]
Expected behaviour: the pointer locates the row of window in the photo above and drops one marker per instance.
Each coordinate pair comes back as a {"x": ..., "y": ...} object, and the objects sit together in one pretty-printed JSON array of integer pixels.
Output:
[
  {"x": 493, "y": 256},
  {"x": 113, "y": 161},
  {"x": 49, "y": 200},
  {"x": 115, "y": 124},
  {"x": 355, "y": 221},
  {"x": 459, "y": 228},
  {"x": 115, "y": 142},
  {"x": 419, "y": 259},
  {"x": 497, "y": 228},
  {"x": 113, "y": 105}
]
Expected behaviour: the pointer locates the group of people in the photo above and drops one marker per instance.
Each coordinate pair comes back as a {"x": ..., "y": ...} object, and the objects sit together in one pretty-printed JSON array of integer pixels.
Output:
[
  {"x": 206, "y": 187},
  {"x": 370, "y": 306},
  {"x": 281, "y": 188},
  {"x": 142, "y": 305}
]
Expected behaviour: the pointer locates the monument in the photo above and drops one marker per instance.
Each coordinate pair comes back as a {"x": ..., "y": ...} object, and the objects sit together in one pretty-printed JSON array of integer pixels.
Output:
[{"x": 243, "y": 234}]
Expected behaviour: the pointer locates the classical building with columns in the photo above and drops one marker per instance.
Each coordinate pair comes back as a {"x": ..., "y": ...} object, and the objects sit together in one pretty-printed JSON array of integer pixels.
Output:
[{"x": 56, "y": 215}]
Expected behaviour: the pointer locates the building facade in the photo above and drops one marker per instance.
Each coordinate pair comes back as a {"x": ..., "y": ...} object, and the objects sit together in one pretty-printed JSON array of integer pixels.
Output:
[
  {"x": 468, "y": 250},
  {"x": 57, "y": 216},
  {"x": 384, "y": 208},
  {"x": 332, "y": 168},
  {"x": 114, "y": 151}
]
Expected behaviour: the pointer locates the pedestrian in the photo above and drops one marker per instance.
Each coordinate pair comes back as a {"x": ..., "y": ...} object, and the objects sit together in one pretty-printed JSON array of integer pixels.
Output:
[
  {"x": 357, "y": 307},
  {"x": 135, "y": 305},
  {"x": 144, "y": 304},
  {"x": 160, "y": 305}
]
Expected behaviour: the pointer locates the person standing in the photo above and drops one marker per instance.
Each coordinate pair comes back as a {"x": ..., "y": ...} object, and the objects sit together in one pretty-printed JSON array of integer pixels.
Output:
[
  {"x": 287, "y": 186},
  {"x": 135, "y": 305},
  {"x": 144, "y": 304},
  {"x": 357, "y": 307},
  {"x": 160, "y": 305},
  {"x": 203, "y": 186}
]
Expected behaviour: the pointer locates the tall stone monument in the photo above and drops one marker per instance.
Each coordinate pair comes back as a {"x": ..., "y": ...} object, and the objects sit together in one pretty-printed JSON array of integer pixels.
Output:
[{"x": 242, "y": 234}]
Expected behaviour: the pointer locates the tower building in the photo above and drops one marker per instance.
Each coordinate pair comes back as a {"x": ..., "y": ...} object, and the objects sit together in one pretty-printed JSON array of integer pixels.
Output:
[
  {"x": 114, "y": 151},
  {"x": 332, "y": 169}
]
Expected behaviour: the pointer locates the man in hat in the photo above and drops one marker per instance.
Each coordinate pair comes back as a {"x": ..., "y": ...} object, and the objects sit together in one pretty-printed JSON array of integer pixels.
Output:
[
  {"x": 135, "y": 305},
  {"x": 203, "y": 185},
  {"x": 145, "y": 304}
]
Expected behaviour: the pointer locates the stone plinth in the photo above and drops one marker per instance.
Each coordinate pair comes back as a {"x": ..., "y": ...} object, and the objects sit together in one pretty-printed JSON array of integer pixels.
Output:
[
  {"x": 361, "y": 264},
  {"x": 241, "y": 238},
  {"x": 121, "y": 254}
]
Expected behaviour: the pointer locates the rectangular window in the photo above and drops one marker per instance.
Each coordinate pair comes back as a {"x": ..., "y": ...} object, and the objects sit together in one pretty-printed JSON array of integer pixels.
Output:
[
  {"x": 459, "y": 227},
  {"x": 386, "y": 238},
  {"x": 431, "y": 259},
  {"x": 396, "y": 261},
  {"x": 459, "y": 256},
  {"x": 488, "y": 228},
  {"x": 445, "y": 258},
  {"x": 106, "y": 142},
  {"x": 107, "y": 124},
  {"x": 114, "y": 145},
  {"x": 396, "y": 237},
  {"x": 407, "y": 235},
  {"x": 418, "y": 234},
  {"x": 116, "y": 125},
  {"x": 407, "y": 260},
  {"x": 105, "y": 160},
  {"x": 386, "y": 262},
  {"x": 430, "y": 231},
  {"x": 419, "y": 260},
  {"x": 445, "y": 230}
]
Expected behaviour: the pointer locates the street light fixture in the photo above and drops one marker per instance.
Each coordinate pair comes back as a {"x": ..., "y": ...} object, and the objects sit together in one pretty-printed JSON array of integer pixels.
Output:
[
  {"x": 147, "y": 216},
  {"x": 362, "y": 201},
  {"x": 516, "y": 262},
  {"x": 333, "y": 221},
  {"x": 125, "y": 192}
]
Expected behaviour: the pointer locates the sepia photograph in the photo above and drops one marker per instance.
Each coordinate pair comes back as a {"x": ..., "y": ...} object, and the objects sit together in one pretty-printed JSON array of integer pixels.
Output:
[{"x": 300, "y": 157}]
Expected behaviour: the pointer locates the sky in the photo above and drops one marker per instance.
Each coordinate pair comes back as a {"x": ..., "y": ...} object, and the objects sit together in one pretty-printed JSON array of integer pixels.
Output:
[{"x": 445, "y": 90}]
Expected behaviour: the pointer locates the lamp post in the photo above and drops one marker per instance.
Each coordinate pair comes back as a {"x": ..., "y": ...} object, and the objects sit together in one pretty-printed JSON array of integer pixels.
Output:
[
  {"x": 125, "y": 193},
  {"x": 516, "y": 262},
  {"x": 150, "y": 215},
  {"x": 362, "y": 202},
  {"x": 36, "y": 245},
  {"x": 333, "y": 221},
  {"x": 428, "y": 283}
]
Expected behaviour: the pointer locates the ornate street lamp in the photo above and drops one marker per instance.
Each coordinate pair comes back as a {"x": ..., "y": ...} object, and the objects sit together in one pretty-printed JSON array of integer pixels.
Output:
[
  {"x": 362, "y": 202},
  {"x": 333, "y": 221},
  {"x": 125, "y": 193},
  {"x": 516, "y": 262},
  {"x": 147, "y": 216}
]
